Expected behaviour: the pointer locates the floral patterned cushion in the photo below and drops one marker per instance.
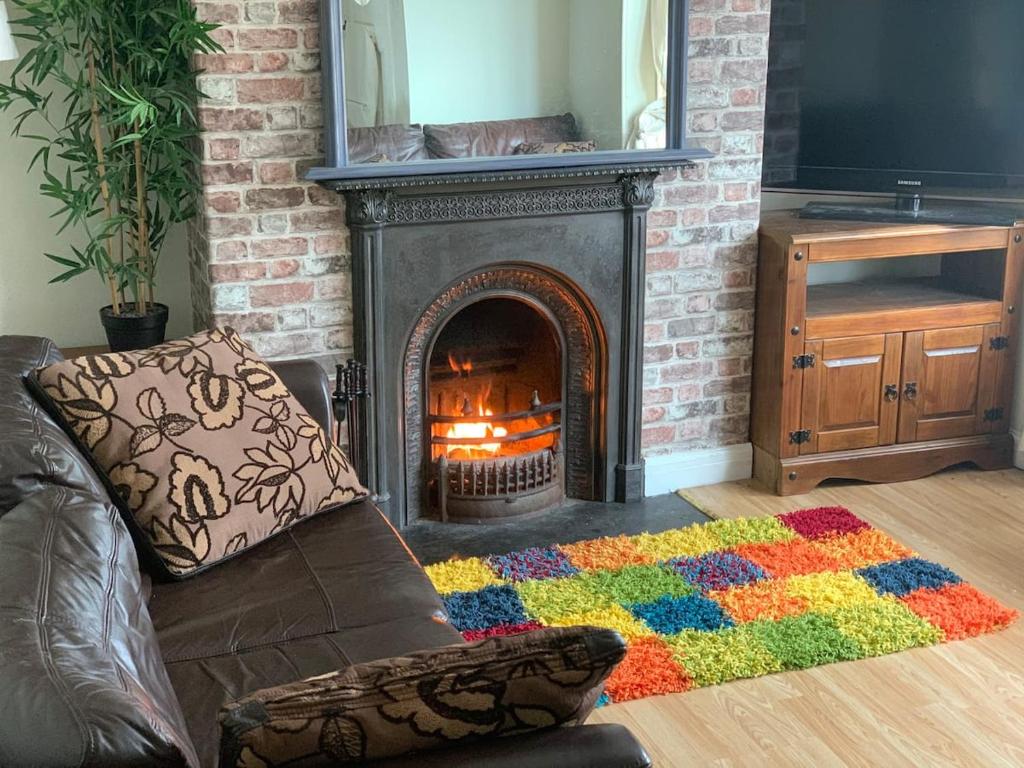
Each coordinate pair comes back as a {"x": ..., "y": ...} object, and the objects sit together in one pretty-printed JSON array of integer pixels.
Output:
[
  {"x": 499, "y": 686},
  {"x": 201, "y": 443}
]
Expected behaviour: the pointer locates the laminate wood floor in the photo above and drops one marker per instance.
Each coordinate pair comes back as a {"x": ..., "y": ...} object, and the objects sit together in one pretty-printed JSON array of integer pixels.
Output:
[{"x": 958, "y": 704}]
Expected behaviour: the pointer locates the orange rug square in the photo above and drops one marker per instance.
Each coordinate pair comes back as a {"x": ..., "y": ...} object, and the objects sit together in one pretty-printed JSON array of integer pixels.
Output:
[
  {"x": 959, "y": 610},
  {"x": 649, "y": 669},
  {"x": 789, "y": 558},
  {"x": 763, "y": 600}
]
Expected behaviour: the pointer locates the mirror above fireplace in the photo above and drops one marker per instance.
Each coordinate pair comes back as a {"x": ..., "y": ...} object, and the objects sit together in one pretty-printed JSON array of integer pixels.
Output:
[{"x": 439, "y": 87}]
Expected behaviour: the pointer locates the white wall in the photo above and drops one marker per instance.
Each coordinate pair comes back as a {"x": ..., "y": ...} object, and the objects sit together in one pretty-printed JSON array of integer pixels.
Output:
[
  {"x": 522, "y": 42},
  {"x": 595, "y": 70},
  {"x": 67, "y": 312}
]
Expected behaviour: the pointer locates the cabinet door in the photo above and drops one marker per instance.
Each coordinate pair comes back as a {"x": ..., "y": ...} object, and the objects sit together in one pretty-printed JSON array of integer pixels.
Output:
[
  {"x": 949, "y": 382},
  {"x": 850, "y": 396}
]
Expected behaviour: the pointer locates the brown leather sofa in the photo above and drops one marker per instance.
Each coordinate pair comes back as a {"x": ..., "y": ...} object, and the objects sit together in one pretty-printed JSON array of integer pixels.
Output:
[
  {"x": 95, "y": 658},
  {"x": 486, "y": 138}
]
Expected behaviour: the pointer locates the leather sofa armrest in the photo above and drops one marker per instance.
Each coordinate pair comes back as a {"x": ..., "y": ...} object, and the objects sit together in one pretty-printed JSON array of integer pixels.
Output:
[
  {"x": 309, "y": 383},
  {"x": 584, "y": 746}
]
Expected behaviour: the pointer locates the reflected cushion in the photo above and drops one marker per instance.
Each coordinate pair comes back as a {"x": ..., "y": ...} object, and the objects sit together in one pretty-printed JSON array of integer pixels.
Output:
[
  {"x": 500, "y": 686},
  {"x": 494, "y": 138},
  {"x": 201, "y": 444},
  {"x": 387, "y": 143},
  {"x": 554, "y": 147}
]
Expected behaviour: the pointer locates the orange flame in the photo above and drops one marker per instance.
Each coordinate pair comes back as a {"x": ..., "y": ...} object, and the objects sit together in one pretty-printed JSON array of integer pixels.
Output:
[{"x": 463, "y": 367}]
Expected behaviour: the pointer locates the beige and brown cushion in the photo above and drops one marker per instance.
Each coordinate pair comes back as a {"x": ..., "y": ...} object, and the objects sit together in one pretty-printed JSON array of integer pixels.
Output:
[
  {"x": 500, "y": 686},
  {"x": 554, "y": 147},
  {"x": 202, "y": 444}
]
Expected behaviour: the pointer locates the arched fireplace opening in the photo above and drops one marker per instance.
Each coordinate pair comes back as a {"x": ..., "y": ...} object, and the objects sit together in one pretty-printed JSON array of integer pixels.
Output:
[{"x": 494, "y": 396}]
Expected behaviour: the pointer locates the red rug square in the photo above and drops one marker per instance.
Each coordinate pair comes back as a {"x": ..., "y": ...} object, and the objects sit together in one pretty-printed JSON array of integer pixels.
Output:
[{"x": 820, "y": 522}]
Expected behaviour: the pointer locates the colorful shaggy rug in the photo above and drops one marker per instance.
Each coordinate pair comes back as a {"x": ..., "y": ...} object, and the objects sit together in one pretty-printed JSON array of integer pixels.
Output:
[{"x": 724, "y": 600}]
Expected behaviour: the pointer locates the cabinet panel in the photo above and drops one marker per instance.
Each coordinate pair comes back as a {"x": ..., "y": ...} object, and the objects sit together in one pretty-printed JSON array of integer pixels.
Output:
[
  {"x": 850, "y": 393},
  {"x": 949, "y": 382}
]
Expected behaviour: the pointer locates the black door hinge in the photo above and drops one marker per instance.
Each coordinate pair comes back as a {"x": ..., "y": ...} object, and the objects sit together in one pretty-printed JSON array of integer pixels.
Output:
[
  {"x": 994, "y": 414},
  {"x": 800, "y": 437},
  {"x": 999, "y": 342},
  {"x": 803, "y": 361}
]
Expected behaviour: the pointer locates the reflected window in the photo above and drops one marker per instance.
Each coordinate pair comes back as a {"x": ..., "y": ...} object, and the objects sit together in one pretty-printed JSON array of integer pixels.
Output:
[{"x": 442, "y": 79}]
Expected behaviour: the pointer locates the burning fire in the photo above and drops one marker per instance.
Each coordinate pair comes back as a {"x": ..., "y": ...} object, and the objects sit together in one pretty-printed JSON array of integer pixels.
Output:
[{"x": 475, "y": 429}]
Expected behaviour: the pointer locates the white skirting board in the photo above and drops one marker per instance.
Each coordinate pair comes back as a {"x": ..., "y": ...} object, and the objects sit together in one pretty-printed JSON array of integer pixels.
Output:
[{"x": 671, "y": 471}]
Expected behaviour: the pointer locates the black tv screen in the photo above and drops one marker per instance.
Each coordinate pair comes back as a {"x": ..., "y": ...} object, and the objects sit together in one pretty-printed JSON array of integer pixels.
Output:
[{"x": 912, "y": 96}]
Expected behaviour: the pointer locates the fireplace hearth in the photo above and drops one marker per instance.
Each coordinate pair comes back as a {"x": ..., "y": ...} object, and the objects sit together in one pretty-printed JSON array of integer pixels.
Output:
[{"x": 500, "y": 321}]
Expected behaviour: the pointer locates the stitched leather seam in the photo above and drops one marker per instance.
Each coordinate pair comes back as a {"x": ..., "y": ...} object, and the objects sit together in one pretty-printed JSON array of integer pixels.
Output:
[
  {"x": 108, "y": 597},
  {"x": 328, "y": 605},
  {"x": 44, "y": 640}
]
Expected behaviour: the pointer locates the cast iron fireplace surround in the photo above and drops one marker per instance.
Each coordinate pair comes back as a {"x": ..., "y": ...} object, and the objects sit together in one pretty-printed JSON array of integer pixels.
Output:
[{"x": 571, "y": 244}]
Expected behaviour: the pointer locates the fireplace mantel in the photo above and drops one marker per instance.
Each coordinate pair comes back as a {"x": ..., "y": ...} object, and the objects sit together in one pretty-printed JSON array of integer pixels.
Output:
[{"x": 413, "y": 240}]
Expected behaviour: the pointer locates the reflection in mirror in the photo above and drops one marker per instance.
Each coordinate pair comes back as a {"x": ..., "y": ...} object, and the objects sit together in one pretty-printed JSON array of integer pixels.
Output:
[{"x": 440, "y": 79}]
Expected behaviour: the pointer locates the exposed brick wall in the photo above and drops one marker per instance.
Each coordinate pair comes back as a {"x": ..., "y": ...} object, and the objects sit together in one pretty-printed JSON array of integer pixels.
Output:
[{"x": 271, "y": 256}]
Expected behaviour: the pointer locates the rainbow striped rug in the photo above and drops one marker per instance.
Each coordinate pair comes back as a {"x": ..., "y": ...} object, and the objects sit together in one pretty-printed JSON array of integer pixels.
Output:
[{"x": 724, "y": 600}]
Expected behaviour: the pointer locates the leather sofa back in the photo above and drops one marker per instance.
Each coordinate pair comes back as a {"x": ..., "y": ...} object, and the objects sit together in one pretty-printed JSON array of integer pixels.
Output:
[{"x": 34, "y": 452}]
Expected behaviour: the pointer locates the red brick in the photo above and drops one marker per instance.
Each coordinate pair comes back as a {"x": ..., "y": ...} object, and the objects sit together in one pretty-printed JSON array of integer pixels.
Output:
[
  {"x": 280, "y": 294},
  {"x": 231, "y": 250},
  {"x": 224, "y": 63},
  {"x": 280, "y": 246},
  {"x": 237, "y": 273},
  {"x": 662, "y": 261},
  {"x": 224, "y": 202},
  {"x": 658, "y": 395},
  {"x": 658, "y": 435},
  {"x": 224, "y": 37},
  {"x": 284, "y": 268},
  {"x": 275, "y": 61},
  {"x": 652, "y": 415},
  {"x": 266, "y": 198},
  {"x": 279, "y": 145},
  {"x": 269, "y": 90},
  {"x": 222, "y": 149},
  {"x": 330, "y": 244},
  {"x": 248, "y": 322},
  {"x": 298, "y": 11},
  {"x": 223, "y": 119},
  {"x": 218, "y": 13},
  {"x": 226, "y": 226},
  {"x": 267, "y": 38},
  {"x": 277, "y": 172},
  {"x": 227, "y": 173},
  {"x": 321, "y": 196},
  {"x": 316, "y": 221}
]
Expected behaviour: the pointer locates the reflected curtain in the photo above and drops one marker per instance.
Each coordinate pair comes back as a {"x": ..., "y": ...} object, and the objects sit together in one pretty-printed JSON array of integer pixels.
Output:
[{"x": 649, "y": 129}]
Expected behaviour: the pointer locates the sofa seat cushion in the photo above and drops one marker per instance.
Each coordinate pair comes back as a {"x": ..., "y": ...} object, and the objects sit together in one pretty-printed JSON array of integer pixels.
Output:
[
  {"x": 203, "y": 446},
  {"x": 387, "y": 143},
  {"x": 34, "y": 452},
  {"x": 339, "y": 589},
  {"x": 81, "y": 673},
  {"x": 499, "y": 686},
  {"x": 493, "y": 138}
]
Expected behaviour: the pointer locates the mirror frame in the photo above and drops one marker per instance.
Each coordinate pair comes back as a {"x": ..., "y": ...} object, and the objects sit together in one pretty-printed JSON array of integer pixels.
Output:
[{"x": 338, "y": 170}]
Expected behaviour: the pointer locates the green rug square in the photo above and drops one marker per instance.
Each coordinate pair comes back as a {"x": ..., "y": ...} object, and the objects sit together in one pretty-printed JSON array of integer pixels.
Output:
[
  {"x": 728, "y": 654},
  {"x": 638, "y": 584},
  {"x": 758, "y": 530},
  {"x": 550, "y": 599},
  {"x": 805, "y": 641},
  {"x": 884, "y": 627}
]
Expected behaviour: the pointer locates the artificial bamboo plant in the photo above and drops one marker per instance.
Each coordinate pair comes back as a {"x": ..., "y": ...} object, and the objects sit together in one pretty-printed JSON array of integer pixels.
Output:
[{"x": 108, "y": 90}]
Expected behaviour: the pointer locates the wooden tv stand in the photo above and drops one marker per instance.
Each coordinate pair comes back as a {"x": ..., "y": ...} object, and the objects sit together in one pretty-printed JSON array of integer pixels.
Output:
[{"x": 882, "y": 379}]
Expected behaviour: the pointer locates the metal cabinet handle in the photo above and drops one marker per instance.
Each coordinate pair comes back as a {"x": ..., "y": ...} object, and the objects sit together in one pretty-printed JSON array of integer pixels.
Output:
[
  {"x": 891, "y": 392},
  {"x": 910, "y": 390}
]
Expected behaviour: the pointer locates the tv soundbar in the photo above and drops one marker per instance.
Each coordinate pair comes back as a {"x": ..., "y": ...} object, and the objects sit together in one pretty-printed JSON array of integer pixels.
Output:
[{"x": 913, "y": 210}]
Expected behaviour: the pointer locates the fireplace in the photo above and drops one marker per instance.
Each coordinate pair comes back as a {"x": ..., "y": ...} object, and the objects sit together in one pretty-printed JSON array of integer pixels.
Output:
[
  {"x": 500, "y": 321},
  {"x": 494, "y": 411}
]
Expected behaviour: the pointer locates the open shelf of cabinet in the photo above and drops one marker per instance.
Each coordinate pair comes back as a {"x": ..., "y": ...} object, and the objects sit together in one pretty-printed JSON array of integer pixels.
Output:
[
  {"x": 884, "y": 379},
  {"x": 895, "y": 305}
]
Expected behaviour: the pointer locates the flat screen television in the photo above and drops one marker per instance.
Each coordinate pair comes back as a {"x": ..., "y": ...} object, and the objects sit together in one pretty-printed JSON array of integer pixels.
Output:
[{"x": 897, "y": 97}]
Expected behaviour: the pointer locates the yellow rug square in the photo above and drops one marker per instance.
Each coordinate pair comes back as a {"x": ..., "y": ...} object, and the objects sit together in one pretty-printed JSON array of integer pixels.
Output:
[
  {"x": 610, "y": 617},
  {"x": 550, "y": 599},
  {"x": 825, "y": 592},
  {"x": 685, "y": 542},
  {"x": 862, "y": 548},
  {"x": 466, "y": 575}
]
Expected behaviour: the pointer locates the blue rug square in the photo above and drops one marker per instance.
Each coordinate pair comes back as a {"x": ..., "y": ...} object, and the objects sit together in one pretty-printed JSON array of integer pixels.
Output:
[
  {"x": 671, "y": 615},
  {"x": 902, "y": 577},
  {"x": 484, "y": 608},
  {"x": 533, "y": 563},
  {"x": 717, "y": 570}
]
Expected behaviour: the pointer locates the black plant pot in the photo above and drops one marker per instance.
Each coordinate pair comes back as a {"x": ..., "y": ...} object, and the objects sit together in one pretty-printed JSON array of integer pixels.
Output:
[{"x": 130, "y": 330}]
